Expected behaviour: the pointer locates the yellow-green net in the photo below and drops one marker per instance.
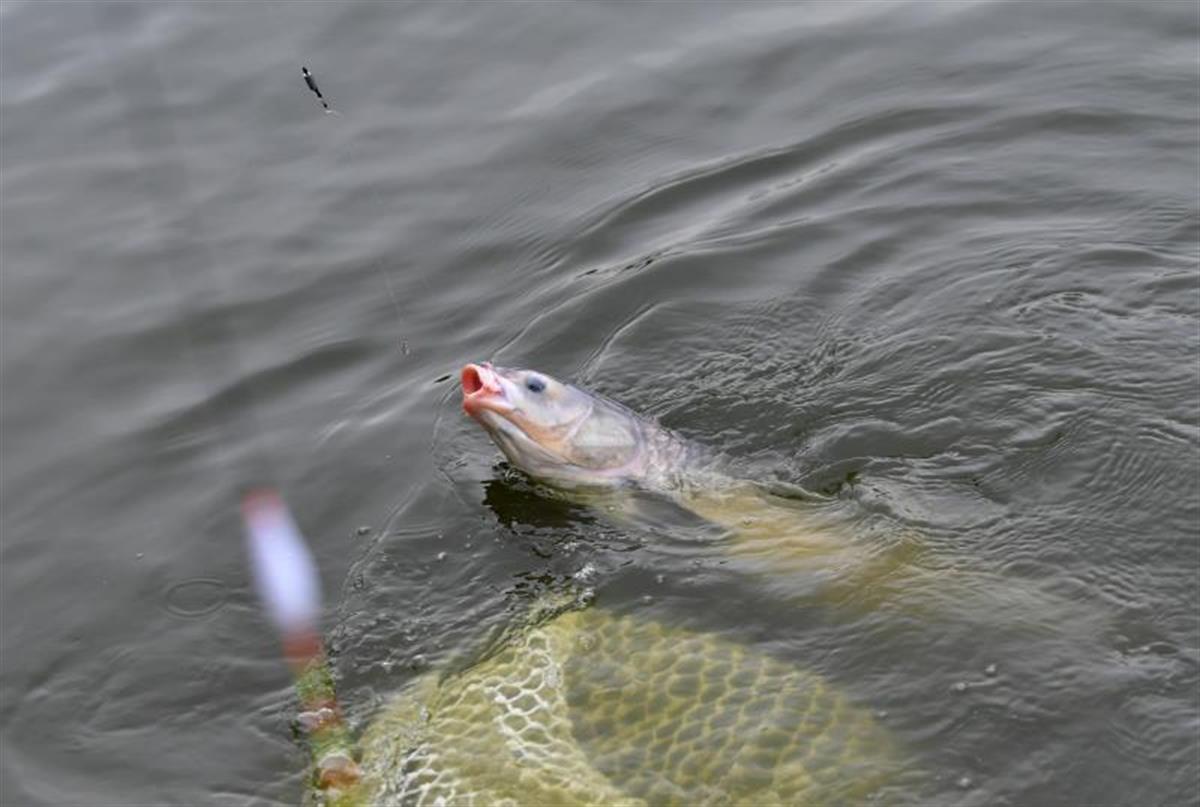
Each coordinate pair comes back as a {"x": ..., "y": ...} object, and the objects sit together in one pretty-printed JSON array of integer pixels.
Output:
[{"x": 592, "y": 708}]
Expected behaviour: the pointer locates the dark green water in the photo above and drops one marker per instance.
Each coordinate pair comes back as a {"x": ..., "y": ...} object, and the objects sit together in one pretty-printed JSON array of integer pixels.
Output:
[{"x": 938, "y": 258}]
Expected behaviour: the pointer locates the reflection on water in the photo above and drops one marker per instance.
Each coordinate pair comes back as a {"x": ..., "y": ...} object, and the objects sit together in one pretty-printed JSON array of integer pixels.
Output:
[{"x": 939, "y": 263}]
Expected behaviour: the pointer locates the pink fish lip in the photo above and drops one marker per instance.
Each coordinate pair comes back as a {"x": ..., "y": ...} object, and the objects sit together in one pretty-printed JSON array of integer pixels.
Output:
[{"x": 482, "y": 389}]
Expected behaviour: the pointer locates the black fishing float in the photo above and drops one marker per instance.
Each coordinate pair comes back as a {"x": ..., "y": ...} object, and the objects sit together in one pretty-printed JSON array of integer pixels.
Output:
[{"x": 312, "y": 85}]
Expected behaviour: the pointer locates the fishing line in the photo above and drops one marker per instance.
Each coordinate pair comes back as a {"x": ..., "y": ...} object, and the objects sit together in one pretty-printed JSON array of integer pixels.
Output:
[
  {"x": 311, "y": 81},
  {"x": 387, "y": 279}
]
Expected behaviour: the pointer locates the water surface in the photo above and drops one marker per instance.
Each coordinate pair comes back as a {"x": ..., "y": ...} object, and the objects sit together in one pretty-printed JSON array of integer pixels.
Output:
[{"x": 939, "y": 260}]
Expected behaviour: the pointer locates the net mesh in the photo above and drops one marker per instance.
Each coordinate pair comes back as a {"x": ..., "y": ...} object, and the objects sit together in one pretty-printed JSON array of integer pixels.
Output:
[{"x": 592, "y": 708}]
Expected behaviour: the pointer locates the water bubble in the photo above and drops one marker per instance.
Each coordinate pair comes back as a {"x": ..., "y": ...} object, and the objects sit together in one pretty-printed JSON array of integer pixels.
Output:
[
  {"x": 991, "y": 670},
  {"x": 441, "y": 556},
  {"x": 959, "y": 686},
  {"x": 141, "y": 555},
  {"x": 965, "y": 782},
  {"x": 363, "y": 530},
  {"x": 419, "y": 662}
]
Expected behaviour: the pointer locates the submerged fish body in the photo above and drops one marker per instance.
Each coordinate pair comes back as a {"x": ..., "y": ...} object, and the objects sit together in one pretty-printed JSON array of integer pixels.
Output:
[
  {"x": 605, "y": 454},
  {"x": 592, "y": 708},
  {"x": 818, "y": 549}
]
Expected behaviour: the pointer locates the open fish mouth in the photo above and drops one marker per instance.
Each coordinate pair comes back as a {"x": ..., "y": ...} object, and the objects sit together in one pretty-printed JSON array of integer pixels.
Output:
[{"x": 483, "y": 390}]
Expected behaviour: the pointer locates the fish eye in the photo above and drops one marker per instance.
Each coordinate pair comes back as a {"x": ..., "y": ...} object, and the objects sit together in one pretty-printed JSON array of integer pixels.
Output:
[{"x": 535, "y": 384}]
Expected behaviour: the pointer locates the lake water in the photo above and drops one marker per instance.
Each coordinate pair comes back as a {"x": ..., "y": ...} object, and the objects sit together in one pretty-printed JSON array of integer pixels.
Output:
[{"x": 937, "y": 259}]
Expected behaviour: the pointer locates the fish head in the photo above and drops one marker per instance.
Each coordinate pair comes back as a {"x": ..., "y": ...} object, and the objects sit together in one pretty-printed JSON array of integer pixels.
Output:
[{"x": 553, "y": 431}]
